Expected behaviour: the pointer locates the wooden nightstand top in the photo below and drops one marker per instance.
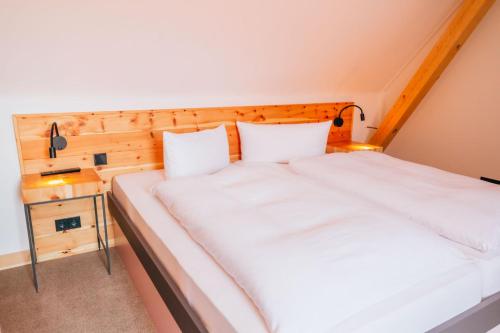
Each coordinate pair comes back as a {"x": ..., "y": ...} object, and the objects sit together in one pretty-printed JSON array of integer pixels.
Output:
[
  {"x": 36, "y": 188},
  {"x": 349, "y": 146}
]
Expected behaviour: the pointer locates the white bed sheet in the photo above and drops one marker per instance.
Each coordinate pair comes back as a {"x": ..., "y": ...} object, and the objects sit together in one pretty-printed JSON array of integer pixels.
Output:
[
  {"x": 457, "y": 207},
  {"x": 224, "y": 307},
  {"x": 489, "y": 266},
  {"x": 365, "y": 173}
]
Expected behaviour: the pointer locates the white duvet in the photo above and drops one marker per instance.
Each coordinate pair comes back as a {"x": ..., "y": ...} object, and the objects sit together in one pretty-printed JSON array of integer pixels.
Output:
[
  {"x": 309, "y": 257},
  {"x": 460, "y": 208}
]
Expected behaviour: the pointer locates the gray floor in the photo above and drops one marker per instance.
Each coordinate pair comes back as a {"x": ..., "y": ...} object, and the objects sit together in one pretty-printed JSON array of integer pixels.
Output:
[{"x": 76, "y": 295}]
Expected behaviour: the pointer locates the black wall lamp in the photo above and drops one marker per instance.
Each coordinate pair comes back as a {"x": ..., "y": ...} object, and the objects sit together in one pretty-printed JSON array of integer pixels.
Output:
[
  {"x": 57, "y": 142},
  {"x": 338, "y": 121}
]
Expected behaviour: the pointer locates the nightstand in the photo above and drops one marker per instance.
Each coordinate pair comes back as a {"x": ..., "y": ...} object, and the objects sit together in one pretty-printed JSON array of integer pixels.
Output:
[
  {"x": 39, "y": 190},
  {"x": 350, "y": 146}
]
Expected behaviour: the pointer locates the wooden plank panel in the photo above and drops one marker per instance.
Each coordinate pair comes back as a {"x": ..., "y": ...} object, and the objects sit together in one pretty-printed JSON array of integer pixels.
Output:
[
  {"x": 115, "y": 159},
  {"x": 74, "y": 124},
  {"x": 14, "y": 259},
  {"x": 89, "y": 144},
  {"x": 133, "y": 142},
  {"x": 468, "y": 15},
  {"x": 121, "y": 156},
  {"x": 66, "y": 241},
  {"x": 45, "y": 215},
  {"x": 35, "y": 148},
  {"x": 62, "y": 208},
  {"x": 76, "y": 246}
]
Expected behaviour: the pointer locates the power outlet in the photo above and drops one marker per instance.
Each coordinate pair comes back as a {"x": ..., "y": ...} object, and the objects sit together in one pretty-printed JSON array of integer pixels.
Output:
[{"x": 68, "y": 223}]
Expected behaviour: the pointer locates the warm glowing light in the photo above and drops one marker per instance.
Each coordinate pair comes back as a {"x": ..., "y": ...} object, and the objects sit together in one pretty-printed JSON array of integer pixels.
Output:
[
  {"x": 55, "y": 182},
  {"x": 360, "y": 147}
]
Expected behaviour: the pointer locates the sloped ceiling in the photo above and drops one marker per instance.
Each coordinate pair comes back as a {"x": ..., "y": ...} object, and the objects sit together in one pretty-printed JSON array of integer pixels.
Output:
[{"x": 217, "y": 47}]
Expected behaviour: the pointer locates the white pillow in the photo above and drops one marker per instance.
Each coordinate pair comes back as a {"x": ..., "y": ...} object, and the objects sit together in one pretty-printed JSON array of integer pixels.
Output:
[
  {"x": 194, "y": 154},
  {"x": 282, "y": 143}
]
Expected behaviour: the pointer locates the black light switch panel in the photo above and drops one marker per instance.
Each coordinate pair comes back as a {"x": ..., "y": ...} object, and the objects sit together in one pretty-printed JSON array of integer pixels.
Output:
[
  {"x": 68, "y": 223},
  {"x": 100, "y": 159}
]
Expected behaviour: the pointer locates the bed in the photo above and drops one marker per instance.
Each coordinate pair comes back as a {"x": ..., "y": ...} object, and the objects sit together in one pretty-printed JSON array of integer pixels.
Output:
[
  {"x": 183, "y": 287},
  {"x": 190, "y": 281}
]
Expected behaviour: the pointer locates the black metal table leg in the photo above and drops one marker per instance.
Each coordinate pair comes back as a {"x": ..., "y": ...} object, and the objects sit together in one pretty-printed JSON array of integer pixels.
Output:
[
  {"x": 97, "y": 223},
  {"x": 27, "y": 214},
  {"x": 106, "y": 232},
  {"x": 100, "y": 242}
]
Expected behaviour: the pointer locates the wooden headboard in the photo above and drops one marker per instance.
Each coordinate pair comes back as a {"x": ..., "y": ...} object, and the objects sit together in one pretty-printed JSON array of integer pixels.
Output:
[
  {"x": 133, "y": 142},
  {"x": 133, "y": 139}
]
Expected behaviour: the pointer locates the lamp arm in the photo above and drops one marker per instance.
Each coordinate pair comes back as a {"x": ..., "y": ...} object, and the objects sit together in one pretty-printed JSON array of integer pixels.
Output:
[
  {"x": 354, "y": 106},
  {"x": 338, "y": 121},
  {"x": 54, "y": 126}
]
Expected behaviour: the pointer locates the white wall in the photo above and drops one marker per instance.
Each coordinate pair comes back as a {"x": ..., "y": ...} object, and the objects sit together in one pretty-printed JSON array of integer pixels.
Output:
[
  {"x": 456, "y": 126},
  {"x": 60, "y": 55}
]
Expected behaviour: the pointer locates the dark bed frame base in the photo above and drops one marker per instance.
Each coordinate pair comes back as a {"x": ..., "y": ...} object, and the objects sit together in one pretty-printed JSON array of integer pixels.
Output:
[
  {"x": 478, "y": 319},
  {"x": 185, "y": 316}
]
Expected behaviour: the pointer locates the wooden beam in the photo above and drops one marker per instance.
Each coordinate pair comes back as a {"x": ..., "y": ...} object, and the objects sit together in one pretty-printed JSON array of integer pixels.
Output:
[{"x": 467, "y": 17}]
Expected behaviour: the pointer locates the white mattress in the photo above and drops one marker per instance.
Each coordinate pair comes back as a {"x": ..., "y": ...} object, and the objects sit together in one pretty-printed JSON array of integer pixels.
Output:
[{"x": 224, "y": 307}]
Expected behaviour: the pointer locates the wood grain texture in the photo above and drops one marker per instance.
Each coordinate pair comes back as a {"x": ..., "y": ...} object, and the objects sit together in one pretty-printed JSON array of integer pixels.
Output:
[
  {"x": 14, "y": 259},
  {"x": 467, "y": 17},
  {"x": 36, "y": 188},
  {"x": 133, "y": 142}
]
